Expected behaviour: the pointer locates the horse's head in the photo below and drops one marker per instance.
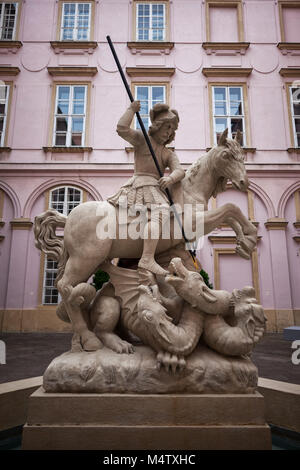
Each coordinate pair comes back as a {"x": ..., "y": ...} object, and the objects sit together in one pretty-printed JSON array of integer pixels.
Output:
[{"x": 229, "y": 162}]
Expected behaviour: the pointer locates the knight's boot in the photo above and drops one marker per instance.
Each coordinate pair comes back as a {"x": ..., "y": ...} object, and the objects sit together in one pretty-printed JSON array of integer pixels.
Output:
[{"x": 147, "y": 260}]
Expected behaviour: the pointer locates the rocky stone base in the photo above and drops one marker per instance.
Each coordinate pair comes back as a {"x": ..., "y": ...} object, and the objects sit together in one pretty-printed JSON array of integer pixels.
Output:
[{"x": 105, "y": 371}]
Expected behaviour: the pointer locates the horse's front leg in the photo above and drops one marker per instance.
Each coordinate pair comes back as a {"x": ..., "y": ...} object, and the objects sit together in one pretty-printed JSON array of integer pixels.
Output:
[{"x": 230, "y": 214}]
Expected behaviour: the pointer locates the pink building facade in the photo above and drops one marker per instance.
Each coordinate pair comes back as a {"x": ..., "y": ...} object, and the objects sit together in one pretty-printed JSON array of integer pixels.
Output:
[{"x": 221, "y": 64}]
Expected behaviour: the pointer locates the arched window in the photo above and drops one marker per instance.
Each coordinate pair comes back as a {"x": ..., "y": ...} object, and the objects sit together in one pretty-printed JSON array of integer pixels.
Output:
[{"x": 63, "y": 199}]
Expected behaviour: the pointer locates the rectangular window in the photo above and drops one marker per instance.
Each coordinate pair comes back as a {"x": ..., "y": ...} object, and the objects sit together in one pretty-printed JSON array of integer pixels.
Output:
[
  {"x": 8, "y": 19},
  {"x": 4, "y": 95},
  {"x": 150, "y": 22},
  {"x": 76, "y": 22},
  {"x": 224, "y": 21},
  {"x": 50, "y": 293},
  {"x": 289, "y": 16},
  {"x": 70, "y": 116},
  {"x": 148, "y": 95},
  {"x": 295, "y": 113},
  {"x": 228, "y": 111}
]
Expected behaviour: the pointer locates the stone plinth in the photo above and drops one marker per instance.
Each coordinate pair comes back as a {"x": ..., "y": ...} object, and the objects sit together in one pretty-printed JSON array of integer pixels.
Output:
[
  {"x": 150, "y": 422},
  {"x": 105, "y": 371}
]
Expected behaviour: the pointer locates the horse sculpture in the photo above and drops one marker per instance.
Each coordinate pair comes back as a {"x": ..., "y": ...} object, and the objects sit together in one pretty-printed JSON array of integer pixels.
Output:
[{"x": 82, "y": 252}]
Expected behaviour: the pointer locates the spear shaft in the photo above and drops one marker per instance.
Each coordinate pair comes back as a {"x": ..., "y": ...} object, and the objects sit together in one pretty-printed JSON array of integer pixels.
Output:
[{"x": 140, "y": 121}]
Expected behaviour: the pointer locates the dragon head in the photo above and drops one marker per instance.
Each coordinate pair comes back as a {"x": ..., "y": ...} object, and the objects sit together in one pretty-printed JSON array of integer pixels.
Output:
[
  {"x": 249, "y": 315},
  {"x": 191, "y": 286}
]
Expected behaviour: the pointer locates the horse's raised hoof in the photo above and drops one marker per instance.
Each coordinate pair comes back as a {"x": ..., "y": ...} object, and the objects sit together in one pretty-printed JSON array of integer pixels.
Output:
[
  {"x": 248, "y": 243},
  {"x": 241, "y": 252},
  {"x": 152, "y": 266},
  {"x": 90, "y": 342}
]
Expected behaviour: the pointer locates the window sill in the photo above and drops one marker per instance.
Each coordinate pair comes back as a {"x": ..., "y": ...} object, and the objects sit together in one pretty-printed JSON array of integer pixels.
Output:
[
  {"x": 225, "y": 46},
  {"x": 5, "y": 149},
  {"x": 293, "y": 149},
  {"x": 60, "y": 46},
  {"x": 6, "y": 70},
  {"x": 2, "y": 223},
  {"x": 2, "y": 238},
  {"x": 226, "y": 72},
  {"x": 293, "y": 72},
  {"x": 67, "y": 149},
  {"x": 150, "y": 45},
  {"x": 296, "y": 224},
  {"x": 10, "y": 45},
  {"x": 288, "y": 46}
]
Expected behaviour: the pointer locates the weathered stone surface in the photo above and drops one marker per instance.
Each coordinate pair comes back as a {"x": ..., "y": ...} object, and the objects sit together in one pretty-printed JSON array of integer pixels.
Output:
[{"x": 105, "y": 371}]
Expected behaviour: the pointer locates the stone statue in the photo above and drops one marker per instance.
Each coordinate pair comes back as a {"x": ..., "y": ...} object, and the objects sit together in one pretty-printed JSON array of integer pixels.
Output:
[{"x": 157, "y": 328}]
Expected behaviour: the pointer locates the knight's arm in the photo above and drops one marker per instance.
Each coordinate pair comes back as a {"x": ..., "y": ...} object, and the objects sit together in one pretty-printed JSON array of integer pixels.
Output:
[
  {"x": 124, "y": 130},
  {"x": 177, "y": 172}
]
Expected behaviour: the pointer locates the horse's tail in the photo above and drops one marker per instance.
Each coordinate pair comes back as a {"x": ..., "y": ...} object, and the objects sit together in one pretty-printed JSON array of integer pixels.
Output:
[{"x": 48, "y": 242}]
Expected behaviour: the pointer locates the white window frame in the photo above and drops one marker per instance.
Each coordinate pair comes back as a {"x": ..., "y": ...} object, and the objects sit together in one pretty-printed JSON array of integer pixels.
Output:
[
  {"x": 75, "y": 28},
  {"x": 66, "y": 203},
  {"x": 228, "y": 117},
  {"x": 150, "y": 28},
  {"x": 69, "y": 116},
  {"x": 293, "y": 116},
  {"x": 2, "y": 141},
  {"x": 52, "y": 288},
  {"x": 2, "y": 20},
  {"x": 150, "y": 100}
]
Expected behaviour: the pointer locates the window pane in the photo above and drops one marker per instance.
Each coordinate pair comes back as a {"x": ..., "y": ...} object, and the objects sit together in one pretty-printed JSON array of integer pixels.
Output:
[
  {"x": 145, "y": 122},
  {"x": 1, "y": 123},
  {"x": 3, "y": 92},
  {"x": 61, "y": 139},
  {"x": 142, "y": 93},
  {"x": 69, "y": 8},
  {"x": 236, "y": 109},
  {"x": 158, "y": 94},
  {"x": 2, "y": 108},
  {"x": 235, "y": 94},
  {"x": 63, "y": 92},
  {"x": 236, "y": 124},
  {"x": 220, "y": 94},
  {"x": 62, "y": 107},
  {"x": 61, "y": 124},
  {"x": 221, "y": 124},
  {"x": 77, "y": 124},
  {"x": 296, "y": 94},
  {"x": 79, "y": 93},
  {"x": 220, "y": 108},
  {"x": 297, "y": 125},
  {"x": 78, "y": 108},
  {"x": 298, "y": 140},
  {"x": 82, "y": 34},
  {"x": 296, "y": 108}
]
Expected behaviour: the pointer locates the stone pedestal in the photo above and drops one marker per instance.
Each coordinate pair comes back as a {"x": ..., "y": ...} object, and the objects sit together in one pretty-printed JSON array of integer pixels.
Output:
[{"x": 144, "y": 421}]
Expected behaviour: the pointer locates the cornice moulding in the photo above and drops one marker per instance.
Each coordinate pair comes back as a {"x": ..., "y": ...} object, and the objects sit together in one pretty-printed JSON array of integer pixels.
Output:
[
  {"x": 10, "y": 44},
  {"x": 74, "y": 44},
  {"x": 291, "y": 46},
  {"x": 67, "y": 149},
  {"x": 21, "y": 224},
  {"x": 292, "y": 72},
  {"x": 276, "y": 224},
  {"x": 72, "y": 71},
  {"x": 6, "y": 70},
  {"x": 150, "y": 72},
  {"x": 226, "y": 71},
  {"x": 160, "y": 45},
  {"x": 226, "y": 46}
]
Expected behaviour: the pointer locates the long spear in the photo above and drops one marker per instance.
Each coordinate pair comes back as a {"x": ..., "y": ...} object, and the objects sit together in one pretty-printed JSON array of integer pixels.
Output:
[{"x": 192, "y": 253}]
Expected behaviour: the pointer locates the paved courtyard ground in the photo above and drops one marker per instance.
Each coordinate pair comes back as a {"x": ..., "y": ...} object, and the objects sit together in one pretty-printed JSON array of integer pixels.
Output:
[{"x": 29, "y": 354}]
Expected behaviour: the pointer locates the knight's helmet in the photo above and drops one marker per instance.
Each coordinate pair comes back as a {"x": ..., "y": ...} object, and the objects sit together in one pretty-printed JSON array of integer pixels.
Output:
[{"x": 161, "y": 113}]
